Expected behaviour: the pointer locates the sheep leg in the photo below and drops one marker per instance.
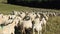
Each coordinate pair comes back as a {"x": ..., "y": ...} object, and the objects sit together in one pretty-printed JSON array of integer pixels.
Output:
[
  {"x": 23, "y": 31},
  {"x": 45, "y": 27},
  {"x": 33, "y": 31},
  {"x": 40, "y": 32},
  {"x": 13, "y": 32}
]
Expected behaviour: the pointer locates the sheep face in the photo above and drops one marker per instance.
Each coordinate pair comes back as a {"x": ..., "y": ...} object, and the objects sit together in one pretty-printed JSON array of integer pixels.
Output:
[
  {"x": 22, "y": 14},
  {"x": 26, "y": 18},
  {"x": 32, "y": 16}
]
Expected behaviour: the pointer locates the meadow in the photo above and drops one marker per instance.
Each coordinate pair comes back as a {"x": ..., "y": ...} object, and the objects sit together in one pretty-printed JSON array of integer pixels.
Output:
[{"x": 53, "y": 24}]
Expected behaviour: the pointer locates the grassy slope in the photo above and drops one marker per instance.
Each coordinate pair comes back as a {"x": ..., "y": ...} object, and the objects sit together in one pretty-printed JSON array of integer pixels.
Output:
[
  {"x": 53, "y": 25},
  {"x": 8, "y": 8}
]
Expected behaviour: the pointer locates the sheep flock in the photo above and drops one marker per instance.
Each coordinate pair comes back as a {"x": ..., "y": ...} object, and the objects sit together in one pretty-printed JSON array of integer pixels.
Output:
[{"x": 24, "y": 22}]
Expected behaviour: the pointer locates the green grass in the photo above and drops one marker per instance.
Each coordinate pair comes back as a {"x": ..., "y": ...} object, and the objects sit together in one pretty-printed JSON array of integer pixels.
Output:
[
  {"x": 53, "y": 24},
  {"x": 6, "y": 8}
]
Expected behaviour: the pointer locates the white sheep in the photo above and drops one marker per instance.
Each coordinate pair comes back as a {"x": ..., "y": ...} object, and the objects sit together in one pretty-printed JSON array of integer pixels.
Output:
[
  {"x": 7, "y": 19},
  {"x": 3, "y": 19},
  {"x": 1, "y": 15},
  {"x": 22, "y": 14},
  {"x": 9, "y": 29},
  {"x": 27, "y": 23},
  {"x": 32, "y": 15},
  {"x": 44, "y": 20},
  {"x": 14, "y": 12},
  {"x": 37, "y": 26}
]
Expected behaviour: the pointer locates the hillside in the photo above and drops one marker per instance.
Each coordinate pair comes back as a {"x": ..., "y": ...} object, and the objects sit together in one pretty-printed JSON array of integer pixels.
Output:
[{"x": 53, "y": 24}]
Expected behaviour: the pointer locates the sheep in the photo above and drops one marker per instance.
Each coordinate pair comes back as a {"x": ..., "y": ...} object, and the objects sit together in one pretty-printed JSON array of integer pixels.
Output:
[
  {"x": 8, "y": 25},
  {"x": 37, "y": 25},
  {"x": 20, "y": 20},
  {"x": 32, "y": 15},
  {"x": 44, "y": 20},
  {"x": 1, "y": 15},
  {"x": 17, "y": 21},
  {"x": 10, "y": 21},
  {"x": 54, "y": 14},
  {"x": 9, "y": 29},
  {"x": 38, "y": 13},
  {"x": 58, "y": 14},
  {"x": 14, "y": 12},
  {"x": 39, "y": 21},
  {"x": 8, "y": 18},
  {"x": 27, "y": 23},
  {"x": 17, "y": 13},
  {"x": 22, "y": 14},
  {"x": 3, "y": 19}
]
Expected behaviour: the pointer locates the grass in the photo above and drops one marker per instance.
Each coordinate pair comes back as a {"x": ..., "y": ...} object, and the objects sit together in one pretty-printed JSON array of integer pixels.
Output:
[
  {"x": 53, "y": 24},
  {"x": 6, "y": 8}
]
